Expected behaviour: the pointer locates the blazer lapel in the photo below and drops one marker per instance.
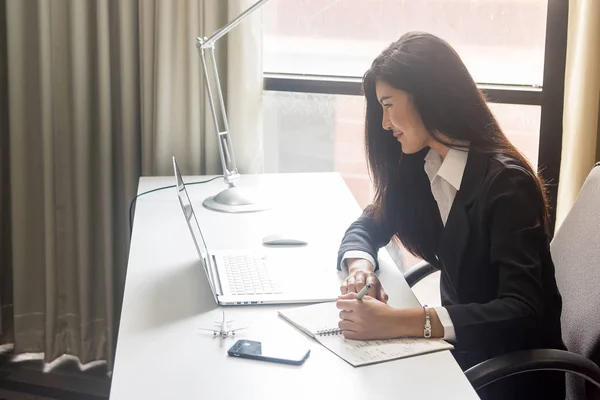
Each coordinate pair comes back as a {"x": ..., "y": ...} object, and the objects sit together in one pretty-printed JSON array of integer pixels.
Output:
[{"x": 456, "y": 232}]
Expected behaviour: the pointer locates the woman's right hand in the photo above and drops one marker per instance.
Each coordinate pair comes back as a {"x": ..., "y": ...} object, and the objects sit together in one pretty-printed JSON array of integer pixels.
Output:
[{"x": 361, "y": 272}]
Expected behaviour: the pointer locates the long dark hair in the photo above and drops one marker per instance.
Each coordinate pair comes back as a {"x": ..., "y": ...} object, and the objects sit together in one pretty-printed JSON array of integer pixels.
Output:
[{"x": 448, "y": 101}]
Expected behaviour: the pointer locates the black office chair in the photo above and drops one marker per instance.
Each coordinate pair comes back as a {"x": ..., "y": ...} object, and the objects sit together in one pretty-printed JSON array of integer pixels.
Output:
[{"x": 576, "y": 255}]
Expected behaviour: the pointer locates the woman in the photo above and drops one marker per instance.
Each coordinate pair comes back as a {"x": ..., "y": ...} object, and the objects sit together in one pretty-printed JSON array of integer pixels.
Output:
[{"x": 453, "y": 190}]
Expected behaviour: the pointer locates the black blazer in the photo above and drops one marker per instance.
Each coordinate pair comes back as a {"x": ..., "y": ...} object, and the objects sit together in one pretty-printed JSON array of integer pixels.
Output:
[{"x": 497, "y": 275}]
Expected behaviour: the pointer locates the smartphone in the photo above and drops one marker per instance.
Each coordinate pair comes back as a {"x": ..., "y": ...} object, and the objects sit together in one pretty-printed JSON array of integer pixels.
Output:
[{"x": 269, "y": 351}]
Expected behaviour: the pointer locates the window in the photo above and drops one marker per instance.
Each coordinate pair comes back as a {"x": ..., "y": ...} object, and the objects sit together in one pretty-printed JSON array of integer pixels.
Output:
[
  {"x": 500, "y": 41},
  {"x": 307, "y": 132},
  {"x": 316, "y": 51}
]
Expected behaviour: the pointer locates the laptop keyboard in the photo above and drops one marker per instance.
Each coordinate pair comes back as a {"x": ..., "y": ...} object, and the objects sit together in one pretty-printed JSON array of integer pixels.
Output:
[{"x": 248, "y": 275}]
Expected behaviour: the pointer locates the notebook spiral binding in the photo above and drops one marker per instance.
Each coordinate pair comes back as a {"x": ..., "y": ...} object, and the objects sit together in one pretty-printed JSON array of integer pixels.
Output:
[{"x": 329, "y": 332}]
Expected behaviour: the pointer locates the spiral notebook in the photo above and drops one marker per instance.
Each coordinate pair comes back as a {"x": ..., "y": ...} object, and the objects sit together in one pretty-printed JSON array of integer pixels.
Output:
[{"x": 320, "y": 321}]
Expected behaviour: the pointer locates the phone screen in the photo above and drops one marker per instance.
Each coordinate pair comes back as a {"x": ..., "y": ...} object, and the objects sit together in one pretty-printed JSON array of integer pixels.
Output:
[{"x": 281, "y": 352}]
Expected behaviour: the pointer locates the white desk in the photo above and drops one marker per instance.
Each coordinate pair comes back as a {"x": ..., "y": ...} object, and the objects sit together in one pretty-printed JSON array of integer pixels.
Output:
[{"x": 162, "y": 355}]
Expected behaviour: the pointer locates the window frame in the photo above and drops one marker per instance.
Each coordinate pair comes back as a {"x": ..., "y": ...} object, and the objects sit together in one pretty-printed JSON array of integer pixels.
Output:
[{"x": 550, "y": 96}]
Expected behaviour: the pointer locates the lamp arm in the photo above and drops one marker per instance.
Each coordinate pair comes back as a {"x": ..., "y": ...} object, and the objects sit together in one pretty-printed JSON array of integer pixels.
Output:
[{"x": 226, "y": 153}]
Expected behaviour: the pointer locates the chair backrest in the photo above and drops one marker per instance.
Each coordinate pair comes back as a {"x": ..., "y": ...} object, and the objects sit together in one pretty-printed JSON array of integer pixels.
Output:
[{"x": 576, "y": 255}]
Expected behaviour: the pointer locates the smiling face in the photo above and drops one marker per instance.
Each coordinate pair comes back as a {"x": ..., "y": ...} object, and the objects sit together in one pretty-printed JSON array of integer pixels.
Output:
[{"x": 401, "y": 118}]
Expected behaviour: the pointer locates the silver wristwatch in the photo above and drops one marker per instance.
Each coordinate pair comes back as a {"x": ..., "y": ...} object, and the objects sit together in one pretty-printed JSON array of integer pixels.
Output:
[{"x": 427, "y": 330}]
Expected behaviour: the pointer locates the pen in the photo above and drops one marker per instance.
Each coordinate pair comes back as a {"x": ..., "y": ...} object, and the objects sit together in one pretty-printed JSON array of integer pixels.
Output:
[{"x": 363, "y": 291}]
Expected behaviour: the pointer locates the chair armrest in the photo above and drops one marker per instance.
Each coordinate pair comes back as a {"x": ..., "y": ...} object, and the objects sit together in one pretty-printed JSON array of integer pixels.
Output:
[
  {"x": 520, "y": 362},
  {"x": 419, "y": 271}
]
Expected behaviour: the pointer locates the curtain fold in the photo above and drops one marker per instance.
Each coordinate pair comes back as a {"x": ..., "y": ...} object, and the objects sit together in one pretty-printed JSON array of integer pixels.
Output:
[
  {"x": 5, "y": 239},
  {"x": 171, "y": 118},
  {"x": 582, "y": 102},
  {"x": 94, "y": 94}
]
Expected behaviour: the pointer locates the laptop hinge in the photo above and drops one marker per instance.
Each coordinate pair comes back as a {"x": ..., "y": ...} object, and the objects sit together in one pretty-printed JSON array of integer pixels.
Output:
[{"x": 216, "y": 276}]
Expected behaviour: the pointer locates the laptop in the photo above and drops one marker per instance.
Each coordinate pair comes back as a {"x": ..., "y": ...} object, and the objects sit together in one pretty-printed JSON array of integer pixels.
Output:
[{"x": 247, "y": 277}]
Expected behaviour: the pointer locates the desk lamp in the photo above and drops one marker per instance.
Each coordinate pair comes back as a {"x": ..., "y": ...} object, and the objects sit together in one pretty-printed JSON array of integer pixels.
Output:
[{"x": 234, "y": 199}]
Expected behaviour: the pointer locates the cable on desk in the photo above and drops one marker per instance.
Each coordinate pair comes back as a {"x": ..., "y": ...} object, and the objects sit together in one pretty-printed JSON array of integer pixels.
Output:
[{"x": 156, "y": 190}]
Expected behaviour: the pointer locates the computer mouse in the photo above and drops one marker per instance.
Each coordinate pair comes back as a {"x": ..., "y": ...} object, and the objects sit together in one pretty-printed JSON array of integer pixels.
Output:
[{"x": 283, "y": 239}]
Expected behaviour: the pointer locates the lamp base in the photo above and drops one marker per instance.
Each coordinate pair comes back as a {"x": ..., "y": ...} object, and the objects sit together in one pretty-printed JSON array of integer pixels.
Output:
[{"x": 235, "y": 200}]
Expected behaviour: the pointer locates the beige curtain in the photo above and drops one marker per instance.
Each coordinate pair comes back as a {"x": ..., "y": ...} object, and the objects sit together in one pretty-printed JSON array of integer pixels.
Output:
[
  {"x": 582, "y": 102},
  {"x": 98, "y": 93},
  {"x": 244, "y": 88},
  {"x": 73, "y": 144}
]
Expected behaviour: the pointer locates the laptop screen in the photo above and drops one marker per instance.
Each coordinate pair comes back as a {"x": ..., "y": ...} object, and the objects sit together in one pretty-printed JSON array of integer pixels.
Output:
[{"x": 188, "y": 212}]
